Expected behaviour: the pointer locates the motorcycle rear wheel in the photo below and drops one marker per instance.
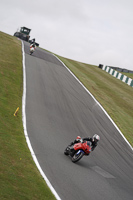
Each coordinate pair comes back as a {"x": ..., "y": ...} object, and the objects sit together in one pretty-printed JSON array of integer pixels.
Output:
[
  {"x": 76, "y": 157},
  {"x": 66, "y": 152}
]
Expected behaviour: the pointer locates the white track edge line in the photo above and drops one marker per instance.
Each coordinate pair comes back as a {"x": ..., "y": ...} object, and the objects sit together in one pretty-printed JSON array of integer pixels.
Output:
[
  {"x": 97, "y": 103},
  {"x": 25, "y": 128}
]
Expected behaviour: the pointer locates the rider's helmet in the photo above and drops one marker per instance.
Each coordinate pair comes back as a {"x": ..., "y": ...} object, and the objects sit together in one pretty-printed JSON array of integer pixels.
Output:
[
  {"x": 95, "y": 138},
  {"x": 78, "y": 138}
]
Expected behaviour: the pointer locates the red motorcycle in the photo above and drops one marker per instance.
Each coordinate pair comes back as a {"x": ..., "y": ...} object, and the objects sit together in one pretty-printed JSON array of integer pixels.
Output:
[{"x": 78, "y": 150}]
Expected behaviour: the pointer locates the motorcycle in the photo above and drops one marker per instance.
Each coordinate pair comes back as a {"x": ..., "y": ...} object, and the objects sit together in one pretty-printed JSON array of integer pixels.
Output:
[
  {"x": 32, "y": 49},
  {"x": 78, "y": 150}
]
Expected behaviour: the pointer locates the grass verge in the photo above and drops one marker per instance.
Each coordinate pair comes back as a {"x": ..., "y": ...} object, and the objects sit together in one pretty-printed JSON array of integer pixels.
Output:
[
  {"x": 19, "y": 177},
  {"x": 115, "y": 96}
]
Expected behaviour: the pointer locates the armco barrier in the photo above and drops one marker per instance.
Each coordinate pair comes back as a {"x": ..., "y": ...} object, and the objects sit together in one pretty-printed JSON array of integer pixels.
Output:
[{"x": 118, "y": 75}]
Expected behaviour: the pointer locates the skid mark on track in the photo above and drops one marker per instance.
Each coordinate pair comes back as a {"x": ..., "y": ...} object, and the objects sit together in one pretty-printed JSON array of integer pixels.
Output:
[{"x": 102, "y": 172}]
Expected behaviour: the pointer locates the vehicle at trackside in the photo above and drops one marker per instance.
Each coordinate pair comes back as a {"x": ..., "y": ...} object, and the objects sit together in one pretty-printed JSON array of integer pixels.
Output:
[{"x": 24, "y": 34}]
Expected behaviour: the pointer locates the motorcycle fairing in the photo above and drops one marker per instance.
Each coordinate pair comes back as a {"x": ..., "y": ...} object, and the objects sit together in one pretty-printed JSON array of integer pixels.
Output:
[
  {"x": 79, "y": 151},
  {"x": 85, "y": 147}
]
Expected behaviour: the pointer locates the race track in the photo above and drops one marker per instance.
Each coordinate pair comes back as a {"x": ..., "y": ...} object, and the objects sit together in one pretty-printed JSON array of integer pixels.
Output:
[{"x": 58, "y": 109}]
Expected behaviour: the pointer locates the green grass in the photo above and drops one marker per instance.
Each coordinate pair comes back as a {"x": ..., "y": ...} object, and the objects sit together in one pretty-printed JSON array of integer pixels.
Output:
[
  {"x": 19, "y": 177},
  {"x": 115, "y": 96}
]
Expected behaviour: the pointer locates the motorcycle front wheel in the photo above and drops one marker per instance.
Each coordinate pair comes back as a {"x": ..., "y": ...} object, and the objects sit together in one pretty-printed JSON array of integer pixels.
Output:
[{"x": 77, "y": 157}]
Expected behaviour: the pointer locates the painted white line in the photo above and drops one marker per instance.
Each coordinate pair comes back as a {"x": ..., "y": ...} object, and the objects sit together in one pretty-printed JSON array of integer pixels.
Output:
[
  {"x": 107, "y": 70},
  {"x": 119, "y": 76},
  {"x": 98, "y": 104},
  {"x": 25, "y": 129},
  {"x": 111, "y": 71},
  {"x": 124, "y": 78},
  {"x": 103, "y": 68},
  {"x": 129, "y": 81},
  {"x": 115, "y": 74}
]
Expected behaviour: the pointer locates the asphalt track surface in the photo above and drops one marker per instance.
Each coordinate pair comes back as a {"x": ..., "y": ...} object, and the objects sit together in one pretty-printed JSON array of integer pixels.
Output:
[{"x": 58, "y": 109}]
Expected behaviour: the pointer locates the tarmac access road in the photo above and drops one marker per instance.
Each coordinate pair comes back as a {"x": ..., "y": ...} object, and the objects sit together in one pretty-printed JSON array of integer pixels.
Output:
[{"x": 58, "y": 109}]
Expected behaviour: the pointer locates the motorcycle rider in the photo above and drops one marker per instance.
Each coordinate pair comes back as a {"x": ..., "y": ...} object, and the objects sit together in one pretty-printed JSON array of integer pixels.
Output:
[
  {"x": 93, "y": 140},
  {"x": 32, "y": 41},
  {"x": 32, "y": 44}
]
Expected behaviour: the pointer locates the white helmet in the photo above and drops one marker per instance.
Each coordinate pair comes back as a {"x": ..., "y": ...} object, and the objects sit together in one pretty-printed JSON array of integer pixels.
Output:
[{"x": 96, "y": 138}]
